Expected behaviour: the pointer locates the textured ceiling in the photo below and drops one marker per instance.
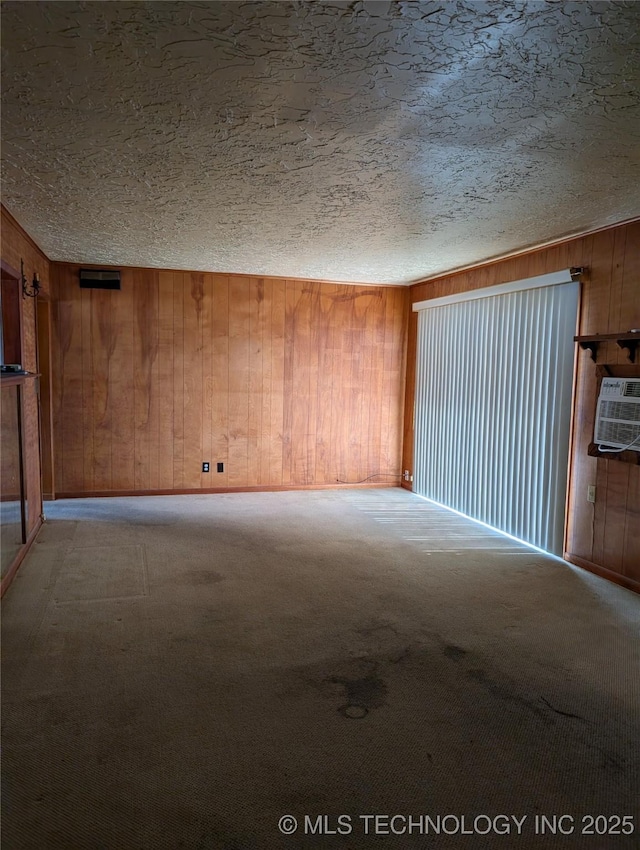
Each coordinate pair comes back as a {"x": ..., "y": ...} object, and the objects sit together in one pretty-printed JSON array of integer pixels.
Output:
[{"x": 366, "y": 141}]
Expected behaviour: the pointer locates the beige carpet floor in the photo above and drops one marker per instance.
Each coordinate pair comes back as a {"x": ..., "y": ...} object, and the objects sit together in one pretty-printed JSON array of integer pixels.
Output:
[{"x": 185, "y": 672}]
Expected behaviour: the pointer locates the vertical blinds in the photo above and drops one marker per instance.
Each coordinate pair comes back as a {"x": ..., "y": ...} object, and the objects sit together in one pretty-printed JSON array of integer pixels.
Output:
[{"x": 493, "y": 409}]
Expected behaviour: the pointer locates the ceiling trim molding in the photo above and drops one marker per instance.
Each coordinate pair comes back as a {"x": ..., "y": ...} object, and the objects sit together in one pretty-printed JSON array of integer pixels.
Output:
[
  {"x": 521, "y": 252},
  {"x": 402, "y": 286}
]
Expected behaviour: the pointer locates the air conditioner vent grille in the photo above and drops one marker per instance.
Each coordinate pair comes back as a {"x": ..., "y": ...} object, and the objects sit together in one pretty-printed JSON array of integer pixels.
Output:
[
  {"x": 632, "y": 388},
  {"x": 620, "y": 410},
  {"x": 616, "y": 433}
]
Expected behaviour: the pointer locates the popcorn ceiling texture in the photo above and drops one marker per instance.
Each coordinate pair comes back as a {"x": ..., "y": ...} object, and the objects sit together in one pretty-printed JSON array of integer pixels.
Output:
[{"x": 366, "y": 141}]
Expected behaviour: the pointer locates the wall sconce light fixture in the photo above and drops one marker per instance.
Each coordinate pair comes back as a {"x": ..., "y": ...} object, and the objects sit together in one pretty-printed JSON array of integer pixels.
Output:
[{"x": 29, "y": 290}]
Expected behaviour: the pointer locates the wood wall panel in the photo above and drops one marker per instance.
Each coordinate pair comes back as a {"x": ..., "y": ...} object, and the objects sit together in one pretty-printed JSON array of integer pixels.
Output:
[
  {"x": 192, "y": 366},
  {"x": 178, "y": 436},
  {"x": 257, "y": 376},
  {"x": 238, "y": 366},
  {"x": 16, "y": 246},
  {"x": 220, "y": 379},
  {"x": 86, "y": 372},
  {"x": 601, "y": 535},
  {"x": 46, "y": 411},
  {"x": 165, "y": 377},
  {"x": 122, "y": 383},
  {"x": 631, "y": 541},
  {"x": 101, "y": 324},
  {"x": 285, "y": 382},
  {"x": 206, "y": 382}
]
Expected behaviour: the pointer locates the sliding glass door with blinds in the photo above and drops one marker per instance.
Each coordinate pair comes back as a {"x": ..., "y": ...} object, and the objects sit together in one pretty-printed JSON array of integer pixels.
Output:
[{"x": 493, "y": 405}]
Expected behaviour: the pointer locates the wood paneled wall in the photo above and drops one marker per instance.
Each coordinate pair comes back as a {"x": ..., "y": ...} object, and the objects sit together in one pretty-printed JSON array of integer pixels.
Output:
[
  {"x": 603, "y": 536},
  {"x": 285, "y": 382},
  {"x": 17, "y": 245}
]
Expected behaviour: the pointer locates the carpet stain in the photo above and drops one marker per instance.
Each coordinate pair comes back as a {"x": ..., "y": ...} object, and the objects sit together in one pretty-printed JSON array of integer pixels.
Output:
[
  {"x": 353, "y": 712},
  {"x": 454, "y": 652},
  {"x": 561, "y": 713},
  {"x": 361, "y": 695},
  {"x": 506, "y": 693},
  {"x": 376, "y": 628},
  {"x": 401, "y": 655},
  {"x": 199, "y": 577}
]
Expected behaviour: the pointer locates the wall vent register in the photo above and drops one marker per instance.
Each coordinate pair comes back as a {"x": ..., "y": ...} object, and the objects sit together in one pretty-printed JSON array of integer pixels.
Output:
[
  {"x": 99, "y": 279},
  {"x": 618, "y": 415}
]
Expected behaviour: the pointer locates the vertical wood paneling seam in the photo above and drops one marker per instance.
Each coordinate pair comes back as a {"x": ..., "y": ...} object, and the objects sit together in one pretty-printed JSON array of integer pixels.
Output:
[
  {"x": 212, "y": 285},
  {"x": 350, "y": 470},
  {"x": 369, "y": 389},
  {"x": 279, "y": 436},
  {"x": 262, "y": 325},
  {"x": 377, "y": 380},
  {"x": 317, "y": 342},
  {"x": 200, "y": 361},
  {"x": 385, "y": 399},
  {"x": 229, "y": 290},
  {"x": 173, "y": 373},
  {"x": 310, "y": 288},
  {"x": 135, "y": 393},
  {"x": 295, "y": 377},
  {"x": 109, "y": 365},
  {"x": 203, "y": 398},
  {"x": 212, "y": 350},
  {"x": 309, "y": 448},
  {"x": 320, "y": 454},
  {"x": 329, "y": 387},
  {"x": 331, "y": 467},
  {"x": 248, "y": 419},
  {"x": 84, "y": 401},
  {"x": 155, "y": 382},
  {"x": 173, "y": 380},
  {"x": 289, "y": 339},
  {"x": 273, "y": 438},
  {"x": 618, "y": 250},
  {"x": 610, "y": 280},
  {"x": 181, "y": 418}
]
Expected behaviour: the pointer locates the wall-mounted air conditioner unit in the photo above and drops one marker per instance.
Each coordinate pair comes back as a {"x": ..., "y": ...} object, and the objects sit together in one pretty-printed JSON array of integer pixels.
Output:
[{"x": 618, "y": 415}]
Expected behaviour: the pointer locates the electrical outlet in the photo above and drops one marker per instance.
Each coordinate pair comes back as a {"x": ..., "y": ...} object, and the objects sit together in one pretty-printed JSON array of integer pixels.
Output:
[
  {"x": 591, "y": 493},
  {"x": 221, "y": 467},
  {"x": 205, "y": 467}
]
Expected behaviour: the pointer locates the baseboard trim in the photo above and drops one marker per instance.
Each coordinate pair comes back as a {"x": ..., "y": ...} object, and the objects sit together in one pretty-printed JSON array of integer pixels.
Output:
[
  {"x": 603, "y": 572},
  {"x": 276, "y": 488},
  {"x": 13, "y": 569}
]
